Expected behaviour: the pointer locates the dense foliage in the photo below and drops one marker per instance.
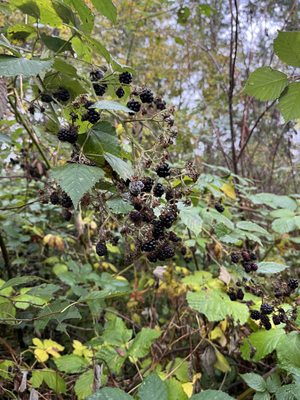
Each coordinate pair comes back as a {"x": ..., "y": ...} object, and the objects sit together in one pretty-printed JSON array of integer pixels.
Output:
[{"x": 149, "y": 240}]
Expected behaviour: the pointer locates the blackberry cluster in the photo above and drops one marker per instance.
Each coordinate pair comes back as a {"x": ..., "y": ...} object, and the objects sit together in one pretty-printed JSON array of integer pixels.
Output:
[
  {"x": 120, "y": 92},
  {"x": 160, "y": 103},
  {"x": 136, "y": 187},
  {"x": 134, "y": 105},
  {"x": 219, "y": 207},
  {"x": 69, "y": 135},
  {"x": 91, "y": 116},
  {"x": 148, "y": 184},
  {"x": 236, "y": 294},
  {"x": 62, "y": 94},
  {"x": 163, "y": 170},
  {"x": 125, "y": 77},
  {"x": 246, "y": 258},
  {"x": 293, "y": 283},
  {"x": 266, "y": 308},
  {"x": 263, "y": 315},
  {"x": 235, "y": 257},
  {"x": 158, "y": 190},
  {"x": 96, "y": 75},
  {"x": 167, "y": 219},
  {"x": 100, "y": 89},
  {"x": 149, "y": 246},
  {"x": 146, "y": 96},
  {"x": 101, "y": 249},
  {"x": 158, "y": 229},
  {"x": 136, "y": 217},
  {"x": 54, "y": 198},
  {"x": 66, "y": 201}
]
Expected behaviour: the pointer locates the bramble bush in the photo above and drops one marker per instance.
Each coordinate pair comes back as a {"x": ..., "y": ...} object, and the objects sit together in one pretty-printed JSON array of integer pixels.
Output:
[{"x": 129, "y": 271}]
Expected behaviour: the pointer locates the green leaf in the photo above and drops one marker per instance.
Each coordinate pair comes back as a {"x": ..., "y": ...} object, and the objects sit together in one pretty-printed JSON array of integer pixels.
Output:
[
  {"x": 55, "y": 43},
  {"x": 288, "y": 352},
  {"x": 76, "y": 179},
  {"x": 261, "y": 396},
  {"x": 116, "y": 332},
  {"x": 110, "y": 105},
  {"x": 7, "y": 311},
  {"x": 274, "y": 201},
  {"x": 216, "y": 305},
  {"x": 211, "y": 395},
  {"x": 252, "y": 227},
  {"x": 40, "y": 9},
  {"x": 289, "y": 102},
  {"x": 270, "y": 267},
  {"x": 153, "y": 388},
  {"x": 110, "y": 394},
  {"x": 21, "y": 280},
  {"x": 255, "y": 381},
  {"x": 122, "y": 168},
  {"x": 175, "y": 390},
  {"x": 14, "y": 66},
  {"x": 86, "y": 16},
  {"x": 141, "y": 344},
  {"x": 284, "y": 225},
  {"x": 261, "y": 343},
  {"x": 288, "y": 392},
  {"x": 266, "y": 83},
  {"x": 106, "y": 8},
  {"x": 287, "y": 47},
  {"x": 52, "y": 379},
  {"x": 71, "y": 364},
  {"x": 64, "y": 12},
  {"x": 273, "y": 383},
  {"x": 84, "y": 385},
  {"x": 191, "y": 219},
  {"x": 119, "y": 206}
]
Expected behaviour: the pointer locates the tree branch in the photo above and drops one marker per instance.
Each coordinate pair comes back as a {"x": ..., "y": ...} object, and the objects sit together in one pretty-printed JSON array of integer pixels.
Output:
[{"x": 7, "y": 264}]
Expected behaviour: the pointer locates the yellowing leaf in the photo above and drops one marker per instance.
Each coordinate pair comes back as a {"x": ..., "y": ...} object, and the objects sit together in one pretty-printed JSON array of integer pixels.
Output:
[
  {"x": 41, "y": 355},
  {"x": 217, "y": 334},
  {"x": 221, "y": 363},
  {"x": 38, "y": 343},
  {"x": 229, "y": 190},
  {"x": 48, "y": 343},
  {"x": 188, "y": 388}
]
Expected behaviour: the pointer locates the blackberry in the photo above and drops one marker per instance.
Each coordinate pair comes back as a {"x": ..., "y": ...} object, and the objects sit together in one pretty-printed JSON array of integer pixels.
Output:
[
  {"x": 239, "y": 294},
  {"x": 219, "y": 207},
  {"x": 148, "y": 214},
  {"x": 68, "y": 135},
  {"x": 46, "y": 98},
  {"x": 235, "y": 257},
  {"x": 183, "y": 250},
  {"x": 276, "y": 319},
  {"x": 88, "y": 104},
  {"x": 99, "y": 89},
  {"x": 173, "y": 237},
  {"x": 136, "y": 217},
  {"x": 148, "y": 184},
  {"x": 170, "y": 195},
  {"x": 158, "y": 190},
  {"x": 149, "y": 246},
  {"x": 135, "y": 187},
  {"x": 62, "y": 94},
  {"x": 31, "y": 109},
  {"x": 134, "y": 105},
  {"x": 91, "y": 115},
  {"x": 254, "y": 267},
  {"x": 125, "y": 77},
  {"x": 293, "y": 283},
  {"x": 232, "y": 296},
  {"x": 163, "y": 170},
  {"x": 252, "y": 256},
  {"x": 166, "y": 252},
  {"x": 158, "y": 229},
  {"x": 54, "y": 198},
  {"x": 278, "y": 293},
  {"x": 167, "y": 219},
  {"x": 120, "y": 92},
  {"x": 246, "y": 255},
  {"x": 266, "y": 308},
  {"x": 146, "y": 96},
  {"x": 66, "y": 201},
  {"x": 67, "y": 215},
  {"x": 247, "y": 267},
  {"x": 160, "y": 103},
  {"x": 152, "y": 257},
  {"x": 255, "y": 314},
  {"x": 96, "y": 75},
  {"x": 101, "y": 249}
]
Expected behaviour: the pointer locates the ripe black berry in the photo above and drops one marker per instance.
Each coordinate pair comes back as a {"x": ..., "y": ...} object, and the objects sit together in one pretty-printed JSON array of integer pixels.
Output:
[
  {"x": 276, "y": 319},
  {"x": 91, "y": 115},
  {"x": 266, "y": 308},
  {"x": 62, "y": 94},
  {"x": 125, "y": 77},
  {"x": 149, "y": 246},
  {"x": 246, "y": 256},
  {"x": 31, "y": 109},
  {"x": 252, "y": 256},
  {"x": 54, "y": 198},
  {"x": 88, "y": 104},
  {"x": 136, "y": 217},
  {"x": 158, "y": 229},
  {"x": 135, "y": 187},
  {"x": 67, "y": 215},
  {"x": 148, "y": 184},
  {"x": 166, "y": 252},
  {"x": 160, "y": 103},
  {"x": 232, "y": 296},
  {"x": 255, "y": 314},
  {"x": 134, "y": 105},
  {"x": 293, "y": 283},
  {"x": 152, "y": 257},
  {"x": 235, "y": 257},
  {"x": 167, "y": 219},
  {"x": 96, "y": 75},
  {"x": 99, "y": 89},
  {"x": 219, "y": 207},
  {"x": 163, "y": 170},
  {"x": 68, "y": 135},
  {"x": 158, "y": 190},
  {"x": 239, "y": 294},
  {"x": 46, "y": 98},
  {"x": 120, "y": 92},
  {"x": 146, "y": 96},
  {"x": 247, "y": 266},
  {"x": 66, "y": 201},
  {"x": 253, "y": 266},
  {"x": 101, "y": 249},
  {"x": 173, "y": 237}
]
